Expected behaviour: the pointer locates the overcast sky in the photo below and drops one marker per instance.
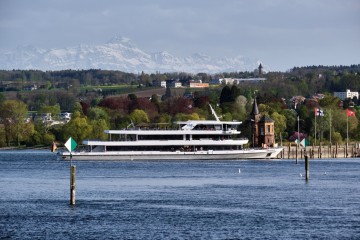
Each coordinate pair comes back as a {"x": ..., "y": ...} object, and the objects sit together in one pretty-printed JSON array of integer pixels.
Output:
[{"x": 280, "y": 33}]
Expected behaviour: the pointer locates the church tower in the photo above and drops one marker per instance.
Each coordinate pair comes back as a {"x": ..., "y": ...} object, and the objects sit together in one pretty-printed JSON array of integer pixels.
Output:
[
  {"x": 266, "y": 135},
  {"x": 255, "y": 118},
  {"x": 260, "y": 69},
  {"x": 263, "y": 128}
]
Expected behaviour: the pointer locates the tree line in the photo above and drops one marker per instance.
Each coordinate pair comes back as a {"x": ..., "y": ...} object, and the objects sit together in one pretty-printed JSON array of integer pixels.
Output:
[
  {"x": 299, "y": 80},
  {"x": 93, "y": 112}
]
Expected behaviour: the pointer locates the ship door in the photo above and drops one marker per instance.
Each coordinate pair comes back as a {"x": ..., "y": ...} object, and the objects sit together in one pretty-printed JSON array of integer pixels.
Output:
[{"x": 187, "y": 137}]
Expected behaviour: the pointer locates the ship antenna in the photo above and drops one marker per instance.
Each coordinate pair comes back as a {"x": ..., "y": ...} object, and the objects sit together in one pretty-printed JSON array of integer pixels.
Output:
[
  {"x": 131, "y": 124},
  {"x": 214, "y": 113}
]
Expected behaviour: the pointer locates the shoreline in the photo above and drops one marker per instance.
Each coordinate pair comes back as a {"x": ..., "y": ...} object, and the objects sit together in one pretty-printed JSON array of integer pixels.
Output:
[{"x": 24, "y": 148}]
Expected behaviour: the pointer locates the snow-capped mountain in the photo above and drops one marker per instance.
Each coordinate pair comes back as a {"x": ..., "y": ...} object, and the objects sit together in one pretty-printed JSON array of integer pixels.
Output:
[{"x": 118, "y": 54}]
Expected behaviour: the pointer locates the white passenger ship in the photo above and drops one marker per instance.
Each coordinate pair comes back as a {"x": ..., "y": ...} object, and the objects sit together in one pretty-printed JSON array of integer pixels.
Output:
[{"x": 192, "y": 139}]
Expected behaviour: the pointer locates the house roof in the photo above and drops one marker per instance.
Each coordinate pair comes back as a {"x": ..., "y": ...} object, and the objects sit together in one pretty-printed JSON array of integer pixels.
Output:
[{"x": 266, "y": 119}]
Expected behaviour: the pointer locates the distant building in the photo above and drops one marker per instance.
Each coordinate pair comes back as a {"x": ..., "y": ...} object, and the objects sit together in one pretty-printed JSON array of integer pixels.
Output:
[
  {"x": 229, "y": 81},
  {"x": 160, "y": 83},
  {"x": 176, "y": 84},
  {"x": 318, "y": 96},
  {"x": 43, "y": 117},
  {"x": 297, "y": 100},
  {"x": 31, "y": 87},
  {"x": 252, "y": 80},
  {"x": 347, "y": 94},
  {"x": 173, "y": 83},
  {"x": 232, "y": 81},
  {"x": 266, "y": 135},
  {"x": 198, "y": 84},
  {"x": 65, "y": 116}
]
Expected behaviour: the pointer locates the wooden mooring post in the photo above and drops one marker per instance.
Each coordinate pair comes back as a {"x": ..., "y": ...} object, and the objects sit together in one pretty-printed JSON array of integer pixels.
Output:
[
  {"x": 289, "y": 149},
  {"x": 321, "y": 151},
  {"x": 306, "y": 168},
  {"x": 336, "y": 150},
  {"x": 72, "y": 184}
]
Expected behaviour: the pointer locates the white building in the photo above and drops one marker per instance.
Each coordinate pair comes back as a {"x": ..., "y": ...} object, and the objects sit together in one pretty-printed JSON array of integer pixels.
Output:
[
  {"x": 160, "y": 83},
  {"x": 347, "y": 94},
  {"x": 65, "y": 116},
  {"x": 173, "y": 84},
  {"x": 231, "y": 81},
  {"x": 198, "y": 84}
]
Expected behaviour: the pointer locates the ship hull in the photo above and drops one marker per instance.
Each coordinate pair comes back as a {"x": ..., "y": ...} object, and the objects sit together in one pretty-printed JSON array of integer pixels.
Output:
[{"x": 159, "y": 155}]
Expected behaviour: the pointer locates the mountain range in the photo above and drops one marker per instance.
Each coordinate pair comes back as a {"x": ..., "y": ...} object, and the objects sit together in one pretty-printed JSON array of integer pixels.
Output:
[{"x": 118, "y": 54}]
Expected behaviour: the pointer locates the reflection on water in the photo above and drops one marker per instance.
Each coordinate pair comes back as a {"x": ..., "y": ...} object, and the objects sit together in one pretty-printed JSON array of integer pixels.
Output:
[{"x": 177, "y": 199}]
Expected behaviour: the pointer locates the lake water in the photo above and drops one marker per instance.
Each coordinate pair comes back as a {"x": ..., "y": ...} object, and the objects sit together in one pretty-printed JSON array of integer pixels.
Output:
[{"x": 178, "y": 199}]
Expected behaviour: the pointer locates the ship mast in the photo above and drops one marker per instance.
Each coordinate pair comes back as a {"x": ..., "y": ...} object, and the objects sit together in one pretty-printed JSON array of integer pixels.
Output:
[{"x": 214, "y": 113}]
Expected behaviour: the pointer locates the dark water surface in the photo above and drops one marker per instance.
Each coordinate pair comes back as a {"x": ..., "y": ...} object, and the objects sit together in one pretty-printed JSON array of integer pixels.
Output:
[{"x": 178, "y": 199}]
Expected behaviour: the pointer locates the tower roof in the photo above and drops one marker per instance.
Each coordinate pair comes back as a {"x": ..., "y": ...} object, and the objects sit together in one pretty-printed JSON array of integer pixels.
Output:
[
  {"x": 266, "y": 119},
  {"x": 255, "y": 109}
]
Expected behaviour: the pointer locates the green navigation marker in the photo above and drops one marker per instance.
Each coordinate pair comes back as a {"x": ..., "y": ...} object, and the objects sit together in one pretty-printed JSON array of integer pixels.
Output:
[
  {"x": 70, "y": 144},
  {"x": 305, "y": 142}
]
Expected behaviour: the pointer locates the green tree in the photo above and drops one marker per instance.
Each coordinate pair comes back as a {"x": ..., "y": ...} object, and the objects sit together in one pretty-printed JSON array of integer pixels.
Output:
[
  {"x": 227, "y": 117},
  {"x": 78, "y": 108},
  {"x": 42, "y": 134},
  {"x": 280, "y": 124},
  {"x": 225, "y": 95},
  {"x": 185, "y": 117},
  {"x": 139, "y": 116},
  {"x": 264, "y": 109},
  {"x": 168, "y": 94},
  {"x": 54, "y": 109},
  {"x": 155, "y": 100},
  {"x": 74, "y": 86},
  {"x": 291, "y": 120},
  {"x": 239, "y": 108},
  {"x": 96, "y": 113},
  {"x": 2, "y": 98},
  {"x": 48, "y": 85},
  {"x": 339, "y": 123},
  {"x": 336, "y": 138},
  {"x": 329, "y": 101},
  {"x": 78, "y": 128},
  {"x": 3, "y": 142},
  {"x": 13, "y": 115},
  {"x": 98, "y": 127},
  {"x": 163, "y": 118},
  {"x": 234, "y": 92}
]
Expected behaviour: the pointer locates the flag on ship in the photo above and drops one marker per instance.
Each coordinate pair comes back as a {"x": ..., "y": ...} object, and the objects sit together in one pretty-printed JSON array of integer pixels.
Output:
[
  {"x": 350, "y": 113},
  {"x": 53, "y": 147},
  {"x": 319, "y": 112}
]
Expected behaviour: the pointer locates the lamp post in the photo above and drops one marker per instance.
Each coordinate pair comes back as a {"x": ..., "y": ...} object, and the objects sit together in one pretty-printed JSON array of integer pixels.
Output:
[
  {"x": 253, "y": 131},
  {"x": 347, "y": 129},
  {"x": 298, "y": 140}
]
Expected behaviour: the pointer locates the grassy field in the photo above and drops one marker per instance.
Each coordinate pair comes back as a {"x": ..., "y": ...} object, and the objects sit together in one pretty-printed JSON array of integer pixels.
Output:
[
  {"x": 110, "y": 87},
  {"x": 106, "y": 91}
]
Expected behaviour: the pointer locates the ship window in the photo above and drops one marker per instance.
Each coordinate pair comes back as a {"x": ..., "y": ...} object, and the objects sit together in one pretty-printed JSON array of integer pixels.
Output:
[{"x": 160, "y": 137}]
